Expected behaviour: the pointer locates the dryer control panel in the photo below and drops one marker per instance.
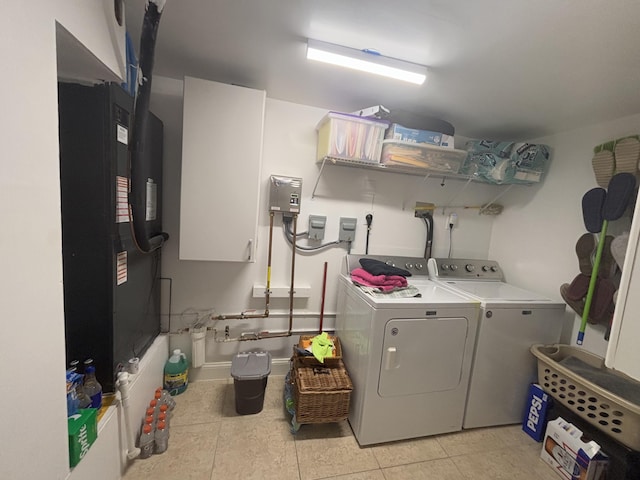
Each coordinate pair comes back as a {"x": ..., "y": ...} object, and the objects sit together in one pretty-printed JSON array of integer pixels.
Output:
[
  {"x": 414, "y": 265},
  {"x": 465, "y": 269}
]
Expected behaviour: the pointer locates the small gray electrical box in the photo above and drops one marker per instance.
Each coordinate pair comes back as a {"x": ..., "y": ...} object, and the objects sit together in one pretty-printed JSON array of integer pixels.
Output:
[
  {"x": 347, "y": 231},
  {"x": 317, "y": 224},
  {"x": 285, "y": 194}
]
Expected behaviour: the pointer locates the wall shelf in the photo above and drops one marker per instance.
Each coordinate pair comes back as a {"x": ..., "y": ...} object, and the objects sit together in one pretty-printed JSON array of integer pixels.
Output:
[{"x": 439, "y": 153}]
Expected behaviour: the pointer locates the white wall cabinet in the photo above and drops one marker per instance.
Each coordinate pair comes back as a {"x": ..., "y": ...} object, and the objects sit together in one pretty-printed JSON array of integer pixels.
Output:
[
  {"x": 223, "y": 128},
  {"x": 622, "y": 351},
  {"x": 93, "y": 27}
]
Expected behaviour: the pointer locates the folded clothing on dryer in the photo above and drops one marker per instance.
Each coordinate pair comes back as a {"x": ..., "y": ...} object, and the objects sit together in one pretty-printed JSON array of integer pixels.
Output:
[
  {"x": 384, "y": 282},
  {"x": 409, "y": 291},
  {"x": 376, "y": 267}
]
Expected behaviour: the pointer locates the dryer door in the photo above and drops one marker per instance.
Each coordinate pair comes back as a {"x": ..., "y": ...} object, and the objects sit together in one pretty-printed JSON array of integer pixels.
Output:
[{"x": 422, "y": 355}]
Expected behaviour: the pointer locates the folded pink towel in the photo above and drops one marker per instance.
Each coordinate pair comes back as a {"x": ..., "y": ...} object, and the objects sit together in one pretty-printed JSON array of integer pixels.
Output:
[{"x": 384, "y": 282}]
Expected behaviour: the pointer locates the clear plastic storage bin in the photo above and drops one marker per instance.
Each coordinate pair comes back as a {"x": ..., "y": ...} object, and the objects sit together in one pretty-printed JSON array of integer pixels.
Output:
[
  {"x": 349, "y": 137},
  {"x": 421, "y": 156}
]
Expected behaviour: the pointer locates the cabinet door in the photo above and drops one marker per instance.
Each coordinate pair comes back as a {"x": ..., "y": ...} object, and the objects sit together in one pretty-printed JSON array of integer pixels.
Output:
[
  {"x": 622, "y": 351},
  {"x": 221, "y": 158}
]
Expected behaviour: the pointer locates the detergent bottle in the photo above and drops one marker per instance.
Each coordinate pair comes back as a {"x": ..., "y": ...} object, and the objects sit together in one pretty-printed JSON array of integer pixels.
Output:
[{"x": 176, "y": 373}]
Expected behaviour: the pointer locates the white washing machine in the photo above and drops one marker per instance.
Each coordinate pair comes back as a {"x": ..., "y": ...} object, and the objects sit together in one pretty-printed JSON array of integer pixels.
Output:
[
  {"x": 511, "y": 320},
  {"x": 409, "y": 358}
]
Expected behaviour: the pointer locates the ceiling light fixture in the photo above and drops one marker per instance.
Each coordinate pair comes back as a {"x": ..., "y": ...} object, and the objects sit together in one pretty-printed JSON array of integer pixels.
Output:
[{"x": 367, "y": 61}]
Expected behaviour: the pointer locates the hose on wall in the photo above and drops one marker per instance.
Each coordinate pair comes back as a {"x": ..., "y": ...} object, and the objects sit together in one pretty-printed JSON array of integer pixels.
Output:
[{"x": 138, "y": 185}]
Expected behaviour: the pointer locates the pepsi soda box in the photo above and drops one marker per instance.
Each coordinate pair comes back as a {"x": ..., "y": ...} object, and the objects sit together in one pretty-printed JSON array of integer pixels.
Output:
[{"x": 535, "y": 415}]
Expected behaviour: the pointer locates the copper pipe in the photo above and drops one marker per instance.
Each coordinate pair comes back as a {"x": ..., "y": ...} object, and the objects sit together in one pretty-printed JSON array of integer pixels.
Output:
[
  {"x": 293, "y": 268},
  {"x": 267, "y": 293},
  {"x": 241, "y": 316},
  {"x": 324, "y": 289}
]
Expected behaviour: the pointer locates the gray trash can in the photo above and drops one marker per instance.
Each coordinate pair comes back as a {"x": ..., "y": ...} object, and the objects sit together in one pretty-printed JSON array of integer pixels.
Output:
[{"x": 250, "y": 372}]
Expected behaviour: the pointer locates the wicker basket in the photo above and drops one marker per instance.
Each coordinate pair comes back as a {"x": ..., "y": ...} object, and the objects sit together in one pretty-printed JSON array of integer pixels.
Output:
[
  {"x": 322, "y": 394},
  {"x": 610, "y": 413},
  {"x": 310, "y": 360}
]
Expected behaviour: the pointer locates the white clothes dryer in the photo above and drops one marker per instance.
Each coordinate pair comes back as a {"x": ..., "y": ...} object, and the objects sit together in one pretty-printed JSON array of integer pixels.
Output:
[
  {"x": 409, "y": 358},
  {"x": 511, "y": 320}
]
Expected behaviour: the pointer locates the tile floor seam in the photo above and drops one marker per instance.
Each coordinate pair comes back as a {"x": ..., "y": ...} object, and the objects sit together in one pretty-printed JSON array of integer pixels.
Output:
[
  {"x": 484, "y": 450},
  {"x": 295, "y": 448},
  {"x": 180, "y": 425},
  {"x": 215, "y": 452},
  {"x": 350, "y": 474}
]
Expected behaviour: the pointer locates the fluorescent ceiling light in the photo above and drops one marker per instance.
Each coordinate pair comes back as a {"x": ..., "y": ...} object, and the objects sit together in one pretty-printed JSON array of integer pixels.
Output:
[{"x": 366, "y": 61}]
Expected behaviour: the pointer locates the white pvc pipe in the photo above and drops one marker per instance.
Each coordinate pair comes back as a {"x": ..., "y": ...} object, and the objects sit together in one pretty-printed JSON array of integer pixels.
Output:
[{"x": 123, "y": 386}]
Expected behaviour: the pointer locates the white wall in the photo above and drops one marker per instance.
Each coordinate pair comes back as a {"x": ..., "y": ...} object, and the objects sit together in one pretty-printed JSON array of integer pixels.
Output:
[
  {"x": 535, "y": 237},
  {"x": 33, "y": 418},
  {"x": 289, "y": 149},
  {"x": 33, "y": 405}
]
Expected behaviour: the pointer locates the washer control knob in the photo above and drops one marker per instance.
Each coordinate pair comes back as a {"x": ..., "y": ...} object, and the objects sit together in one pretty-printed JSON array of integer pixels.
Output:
[
  {"x": 444, "y": 266},
  {"x": 408, "y": 266},
  {"x": 390, "y": 263},
  {"x": 419, "y": 266},
  {"x": 469, "y": 267},
  {"x": 453, "y": 267},
  {"x": 485, "y": 268},
  {"x": 494, "y": 268}
]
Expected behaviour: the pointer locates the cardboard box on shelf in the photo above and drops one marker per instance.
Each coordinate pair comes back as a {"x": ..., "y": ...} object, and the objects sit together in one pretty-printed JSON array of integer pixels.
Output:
[
  {"x": 377, "y": 111},
  {"x": 447, "y": 141},
  {"x": 404, "y": 134},
  {"x": 569, "y": 455}
]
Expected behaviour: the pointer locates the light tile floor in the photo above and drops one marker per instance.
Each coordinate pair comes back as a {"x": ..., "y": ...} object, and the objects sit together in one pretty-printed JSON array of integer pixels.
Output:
[{"x": 210, "y": 441}]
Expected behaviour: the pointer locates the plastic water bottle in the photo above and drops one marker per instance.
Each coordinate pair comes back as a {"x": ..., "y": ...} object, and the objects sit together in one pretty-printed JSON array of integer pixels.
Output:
[
  {"x": 161, "y": 438},
  {"x": 151, "y": 412},
  {"x": 168, "y": 400},
  {"x": 176, "y": 373},
  {"x": 83, "y": 399},
  {"x": 91, "y": 387},
  {"x": 164, "y": 416},
  {"x": 147, "y": 441}
]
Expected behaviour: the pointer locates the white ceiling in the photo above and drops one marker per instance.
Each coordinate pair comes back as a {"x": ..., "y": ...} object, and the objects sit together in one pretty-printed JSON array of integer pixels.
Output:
[{"x": 500, "y": 69}]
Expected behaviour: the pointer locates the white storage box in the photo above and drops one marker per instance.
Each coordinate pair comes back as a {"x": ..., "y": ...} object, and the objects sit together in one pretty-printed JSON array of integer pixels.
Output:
[
  {"x": 349, "y": 137},
  {"x": 571, "y": 457},
  {"x": 413, "y": 135}
]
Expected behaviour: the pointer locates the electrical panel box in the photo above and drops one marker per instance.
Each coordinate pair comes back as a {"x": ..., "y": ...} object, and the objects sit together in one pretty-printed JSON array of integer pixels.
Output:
[
  {"x": 347, "y": 231},
  {"x": 285, "y": 194},
  {"x": 317, "y": 224}
]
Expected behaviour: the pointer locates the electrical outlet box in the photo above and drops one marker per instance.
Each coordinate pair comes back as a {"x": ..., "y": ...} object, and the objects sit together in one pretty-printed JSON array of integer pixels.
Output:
[
  {"x": 347, "y": 229},
  {"x": 317, "y": 224},
  {"x": 285, "y": 194},
  {"x": 423, "y": 209}
]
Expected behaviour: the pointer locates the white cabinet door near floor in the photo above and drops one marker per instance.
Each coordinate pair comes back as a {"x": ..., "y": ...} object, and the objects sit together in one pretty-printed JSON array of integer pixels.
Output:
[{"x": 223, "y": 127}]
